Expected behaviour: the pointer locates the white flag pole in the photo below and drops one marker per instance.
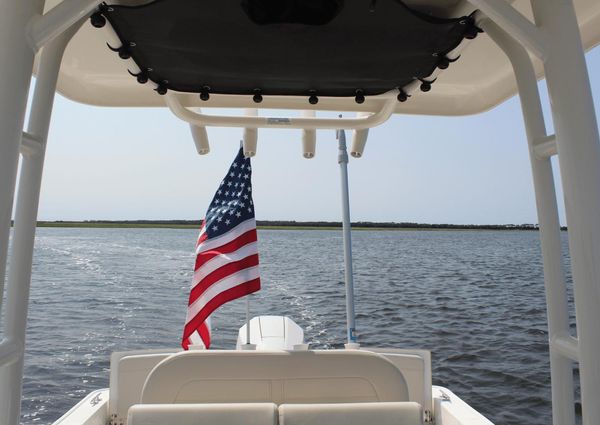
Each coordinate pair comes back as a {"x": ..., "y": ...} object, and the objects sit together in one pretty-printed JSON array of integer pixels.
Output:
[
  {"x": 343, "y": 161},
  {"x": 248, "y": 345},
  {"x": 248, "y": 319}
]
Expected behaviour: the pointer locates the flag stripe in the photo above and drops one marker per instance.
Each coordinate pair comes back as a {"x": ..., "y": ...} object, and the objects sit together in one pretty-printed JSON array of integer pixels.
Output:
[
  {"x": 234, "y": 233},
  {"x": 220, "y": 274},
  {"x": 202, "y": 236},
  {"x": 234, "y": 245},
  {"x": 222, "y": 285},
  {"x": 225, "y": 296},
  {"x": 219, "y": 260},
  {"x": 204, "y": 330}
]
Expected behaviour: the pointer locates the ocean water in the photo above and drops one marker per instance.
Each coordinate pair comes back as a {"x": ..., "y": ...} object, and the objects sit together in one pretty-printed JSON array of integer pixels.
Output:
[{"x": 474, "y": 298}]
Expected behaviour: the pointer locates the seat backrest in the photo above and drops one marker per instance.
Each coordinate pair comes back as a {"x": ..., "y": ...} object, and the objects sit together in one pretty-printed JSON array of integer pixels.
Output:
[
  {"x": 328, "y": 376},
  {"x": 203, "y": 414},
  {"x": 128, "y": 373},
  {"x": 416, "y": 368},
  {"x": 403, "y": 413}
]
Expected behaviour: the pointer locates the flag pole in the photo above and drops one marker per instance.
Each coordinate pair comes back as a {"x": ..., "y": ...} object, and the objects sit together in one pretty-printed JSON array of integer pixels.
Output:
[
  {"x": 248, "y": 319},
  {"x": 343, "y": 161}
]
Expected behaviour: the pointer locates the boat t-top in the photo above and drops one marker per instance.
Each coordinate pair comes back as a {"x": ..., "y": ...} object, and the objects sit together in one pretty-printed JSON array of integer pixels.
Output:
[{"x": 368, "y": 58}]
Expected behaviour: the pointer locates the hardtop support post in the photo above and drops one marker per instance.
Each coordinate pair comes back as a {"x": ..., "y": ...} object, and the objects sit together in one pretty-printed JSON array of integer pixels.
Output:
[
  {"x": 561, "y": 367},
  {"x": 578, "y": 148},
  {"x": 44, "y": 28},
  {"x": 19, "y": 278},
  {"x": 16, "y": 64},
  {"x": 512, "y": 21}
]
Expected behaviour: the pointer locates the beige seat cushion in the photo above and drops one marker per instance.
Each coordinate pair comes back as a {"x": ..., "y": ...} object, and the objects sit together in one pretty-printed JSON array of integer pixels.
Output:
[
  {"x": 203, "y": 414},
  {"x": 328, "y": 376},
  {"x": 404, "y": 413}
]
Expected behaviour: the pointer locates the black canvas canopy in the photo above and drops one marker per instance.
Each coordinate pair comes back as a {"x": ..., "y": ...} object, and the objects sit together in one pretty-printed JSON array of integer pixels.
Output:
[{"x": 284, "y": 47}]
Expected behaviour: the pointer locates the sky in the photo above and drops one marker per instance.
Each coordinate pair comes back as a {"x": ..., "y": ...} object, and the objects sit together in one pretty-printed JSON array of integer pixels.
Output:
[{"x": 129, "y": 164}]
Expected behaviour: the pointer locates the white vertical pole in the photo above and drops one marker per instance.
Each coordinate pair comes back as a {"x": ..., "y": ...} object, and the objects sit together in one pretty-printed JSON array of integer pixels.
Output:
[
  {"x": 19, "y": 277},
  {"x": 16, "y": 63},
  {"x": 343, "y": 161},
  {"x": 578, "y": 148},
  {"x": 248, "y": 319},
  {"x": 561, "y": 367}
]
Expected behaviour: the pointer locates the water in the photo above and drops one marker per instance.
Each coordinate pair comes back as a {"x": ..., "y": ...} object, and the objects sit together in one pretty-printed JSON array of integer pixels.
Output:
[{"x": 474, "y": 298}]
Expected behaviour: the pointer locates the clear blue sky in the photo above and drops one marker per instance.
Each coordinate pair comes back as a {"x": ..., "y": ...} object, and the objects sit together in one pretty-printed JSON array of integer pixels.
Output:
[{"x": 110, "y": 163}]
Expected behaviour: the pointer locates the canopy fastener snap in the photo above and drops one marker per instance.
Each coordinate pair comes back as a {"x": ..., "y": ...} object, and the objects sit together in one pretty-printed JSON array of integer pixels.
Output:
[
  {"x": 402, "y": 96},
  {"x": 445, "y": 62},
  {"x": 141, "y": 77},
  {"x": 204, "y": 93},
  {"x": 123, "y": 51},
  {"x": 472, "y": 32},
  {"x": 472, "y": 29},
  {"x": 360, "y": 96},
  {"x": 257, "y": 98},
  {"x": 426, "y": 85},
  {"x": 162, "y": 88},
  {"x": 97, "y": 20}
]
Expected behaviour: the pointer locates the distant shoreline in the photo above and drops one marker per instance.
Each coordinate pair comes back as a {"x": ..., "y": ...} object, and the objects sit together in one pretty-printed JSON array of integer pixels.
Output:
[{"x": 286, "y": 225}]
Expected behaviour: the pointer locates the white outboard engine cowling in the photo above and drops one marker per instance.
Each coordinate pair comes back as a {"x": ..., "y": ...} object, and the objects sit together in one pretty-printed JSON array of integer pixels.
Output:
[{"x": 272, "y": 333}]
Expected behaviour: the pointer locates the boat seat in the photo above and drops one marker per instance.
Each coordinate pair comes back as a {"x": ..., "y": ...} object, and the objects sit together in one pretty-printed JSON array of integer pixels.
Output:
[
  {"x": 328, "y": 376},
  {"x": 404, "y": 413},
  {"x": 128, "y": 373},
  {"x": 203, "y": 414},
  {"x": 416, "y": 368}
]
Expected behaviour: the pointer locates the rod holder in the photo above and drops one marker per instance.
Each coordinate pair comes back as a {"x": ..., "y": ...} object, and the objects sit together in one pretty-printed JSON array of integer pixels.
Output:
[
  {"x": 250, "y": 135},
  {"x": 309, "y": 137},
  {"x": 359, "y": 139},
  {"x": 200, "y": 137}
]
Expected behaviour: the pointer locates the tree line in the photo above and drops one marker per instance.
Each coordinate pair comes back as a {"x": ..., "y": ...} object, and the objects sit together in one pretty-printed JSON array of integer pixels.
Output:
[{"x": 324, "y": 224}]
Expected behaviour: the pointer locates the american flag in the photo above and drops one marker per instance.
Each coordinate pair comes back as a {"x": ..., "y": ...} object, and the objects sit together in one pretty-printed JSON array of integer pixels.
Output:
[{"x": 226, "y": 252}]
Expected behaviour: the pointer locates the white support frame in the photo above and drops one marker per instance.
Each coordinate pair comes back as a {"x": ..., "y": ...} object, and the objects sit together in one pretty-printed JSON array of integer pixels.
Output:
[
  {"x": 10, "y": 352},
  {"x": 42, "y": 29},
  {"x": 16, "y": 59},
  {"x": 509, "y": 19},
  {"x": 561, "y": 367},
  {"x": 545, "y": 147},
  {"x": 388, "y": 103},
  {"x": 32, "y": 145},
  {"x": 566, "y": 346},
  {"x": 577, "y": 144}
]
